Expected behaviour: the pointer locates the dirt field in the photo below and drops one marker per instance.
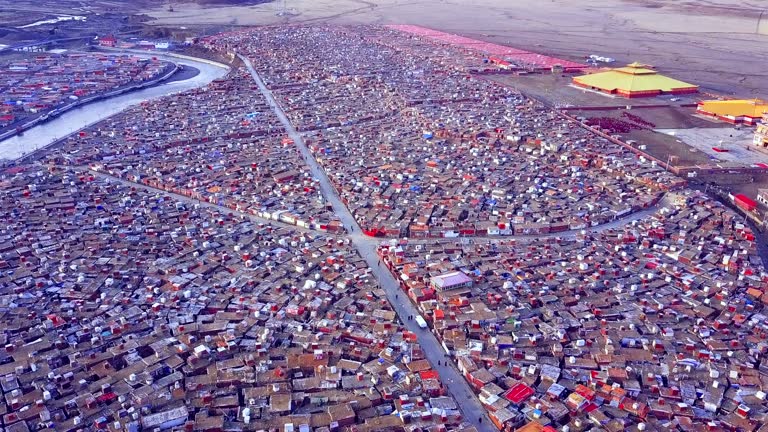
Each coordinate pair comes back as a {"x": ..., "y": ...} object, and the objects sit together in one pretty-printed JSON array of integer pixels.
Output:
[
  {"x": 718, "y": 44},
  {"x": 660, "y": 145},
  {"x": 668, "y": 148},
  {"x": 557, "y": 91},
  {"x": 24, "y": 21},
  {"x": 672, "y": 117},
  {"x": 736, "y": 142}
]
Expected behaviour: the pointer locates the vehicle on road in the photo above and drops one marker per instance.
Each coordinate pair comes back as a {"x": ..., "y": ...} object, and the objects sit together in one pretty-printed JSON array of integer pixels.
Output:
[{"x": 421, "y": 322}]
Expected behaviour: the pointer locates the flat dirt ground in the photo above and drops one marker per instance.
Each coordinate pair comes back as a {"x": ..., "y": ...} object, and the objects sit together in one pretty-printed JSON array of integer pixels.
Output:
[
  {"x": 686, "y": 137},
  {"x": 557, "y": 91},
  {"x": 735, "y": 140},
  {"x": 661, "y": 145},
  {"x": 671, "y": 117},
  {"x": 718, "y": 44}
]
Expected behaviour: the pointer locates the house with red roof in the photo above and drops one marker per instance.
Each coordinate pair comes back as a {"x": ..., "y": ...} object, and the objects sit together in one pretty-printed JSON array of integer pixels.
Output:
[
  {"x": 108, "y": 41},
  {"x": 519, "y": 393}
]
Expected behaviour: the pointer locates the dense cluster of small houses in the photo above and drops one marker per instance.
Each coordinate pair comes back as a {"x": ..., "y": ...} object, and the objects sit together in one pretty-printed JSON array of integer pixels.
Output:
[
  {"x": 45, "y": 82},
  {"x": 176, "y": 267},
  {"x": 419, "y": 148}
]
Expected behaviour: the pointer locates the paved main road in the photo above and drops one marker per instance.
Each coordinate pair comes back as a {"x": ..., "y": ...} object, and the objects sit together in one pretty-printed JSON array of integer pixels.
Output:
[{"x": 472, "y": 409}]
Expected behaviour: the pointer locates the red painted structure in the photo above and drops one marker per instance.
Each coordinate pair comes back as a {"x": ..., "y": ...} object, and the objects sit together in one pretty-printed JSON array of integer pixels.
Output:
[
  {"x": 108, "y": 41},
  {"x": 518, "y": 393},
  {"x": 744, "y": 202},
  {"x": 499, "y": 52}
]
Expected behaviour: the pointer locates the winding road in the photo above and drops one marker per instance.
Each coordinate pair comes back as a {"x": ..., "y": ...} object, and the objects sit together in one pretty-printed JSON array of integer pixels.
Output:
[
  {"x": 665, "y": 201},
  {"x": 192, "y": 201}
]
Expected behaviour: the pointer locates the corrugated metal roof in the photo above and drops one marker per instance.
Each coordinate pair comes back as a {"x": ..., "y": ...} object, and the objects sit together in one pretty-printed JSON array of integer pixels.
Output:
[
  {"x": 632, "y": 78},
  {"x": 451, "y": 279}
]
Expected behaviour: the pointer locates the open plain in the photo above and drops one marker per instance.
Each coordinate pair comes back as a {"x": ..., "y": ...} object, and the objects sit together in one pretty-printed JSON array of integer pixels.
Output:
[
  {"x": 366, "y": 227},
  {"x": 719, "y": 44}
]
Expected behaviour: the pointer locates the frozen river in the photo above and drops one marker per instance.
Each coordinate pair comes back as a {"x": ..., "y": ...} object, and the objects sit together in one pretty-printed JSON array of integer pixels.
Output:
[{"x": 66, "y": 124}]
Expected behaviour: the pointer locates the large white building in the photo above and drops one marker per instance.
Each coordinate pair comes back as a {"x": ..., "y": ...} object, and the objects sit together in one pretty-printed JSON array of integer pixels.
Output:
[{"x": 449, "y": 281}]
